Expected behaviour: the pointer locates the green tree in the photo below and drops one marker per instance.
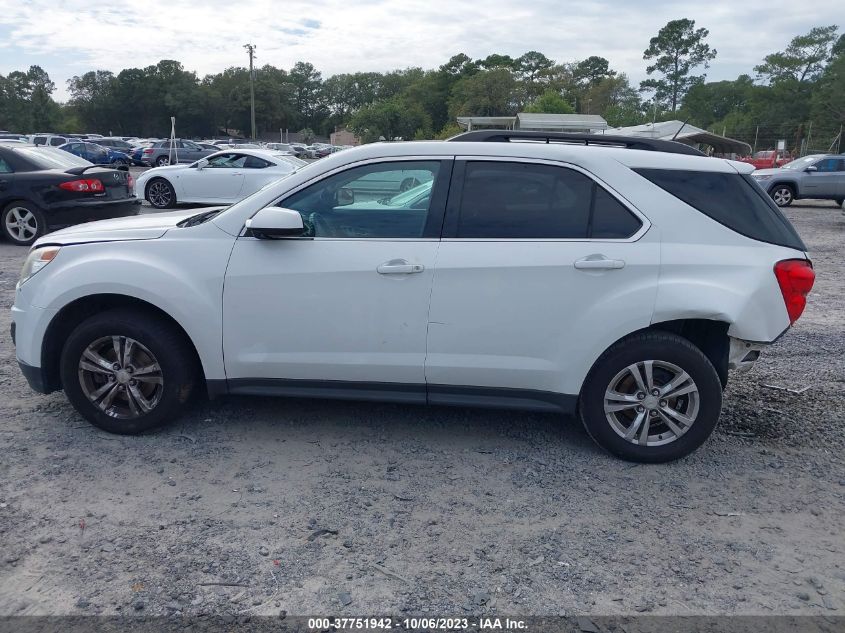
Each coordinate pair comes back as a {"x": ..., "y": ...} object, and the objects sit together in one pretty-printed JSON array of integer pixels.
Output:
[
  {"x": 550, "y": 102},
  {"x": 706, "y": 103},
  {"x": 592, "y": 70},
  {"x": 676, "y": 50},
  {"x": 803, "y": 59},
  {"x": 487, "y": 93},
  {"x": 391, "y": 120}
]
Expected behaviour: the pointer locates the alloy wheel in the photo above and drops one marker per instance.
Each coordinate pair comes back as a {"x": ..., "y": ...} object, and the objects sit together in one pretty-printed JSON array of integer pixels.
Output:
[
  {"x": 121, "y": 376},
  {"x": 651, "y": 403},
  {"x": 159, "y": 194},
  {"x": 782, "y": 196},
  {"x": 21, "y": 224},
  {"x": 163, "y": 161}
]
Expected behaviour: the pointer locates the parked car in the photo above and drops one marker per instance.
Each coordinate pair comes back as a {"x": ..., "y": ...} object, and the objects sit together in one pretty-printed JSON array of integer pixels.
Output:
[
  {"x": 43, "y": 188},
  {"x": 817, "y": 176},
  {"x": 97, "y": 154},
  {"x": 221, "y": 178},
  {"x": 163, "y": 153},
  {"x": 768, "y": 159},
  {"x": 280, "y": 147},
  {"x": 210, "y": 146},
  {"x": 558, "y": 277},
  {"x": 49, "y": 140},
  {"x": 115, "y": 143}
]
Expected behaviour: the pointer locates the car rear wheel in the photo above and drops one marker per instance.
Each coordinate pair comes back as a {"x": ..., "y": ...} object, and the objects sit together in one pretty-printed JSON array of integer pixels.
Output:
[
  {"x": 120, "y": 163},
  {"x": 161, "y": 194},
  {"x": 162, "y": 161},
  {"x": 127, "y": 373},
  {"x": 783, "y": 195},
  {"x": 652, "y": 397},
  {"x": 23, "y": 223}
]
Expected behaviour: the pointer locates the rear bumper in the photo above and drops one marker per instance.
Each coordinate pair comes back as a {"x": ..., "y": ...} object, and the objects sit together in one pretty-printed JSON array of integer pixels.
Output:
[{"x": 65, "y": 214}]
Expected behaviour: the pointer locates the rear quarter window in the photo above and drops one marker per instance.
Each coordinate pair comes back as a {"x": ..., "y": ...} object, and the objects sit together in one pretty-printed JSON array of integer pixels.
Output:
[{"x": 733, "y": 200}]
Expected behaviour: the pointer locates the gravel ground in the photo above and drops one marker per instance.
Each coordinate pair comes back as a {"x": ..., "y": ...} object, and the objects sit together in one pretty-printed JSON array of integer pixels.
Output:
[{"x": 257, "y": 506}]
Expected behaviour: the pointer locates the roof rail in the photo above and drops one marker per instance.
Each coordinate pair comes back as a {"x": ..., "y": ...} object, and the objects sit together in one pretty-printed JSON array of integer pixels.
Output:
[{"x": 604, "y": 140}]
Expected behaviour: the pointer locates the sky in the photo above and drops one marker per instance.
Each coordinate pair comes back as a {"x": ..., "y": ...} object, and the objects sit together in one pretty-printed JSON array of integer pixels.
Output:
[{"x": 70, "y": 37}]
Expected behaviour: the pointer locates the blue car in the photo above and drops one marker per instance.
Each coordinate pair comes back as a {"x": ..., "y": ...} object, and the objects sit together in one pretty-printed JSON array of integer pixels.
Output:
[{"x": 97, "y": 154}]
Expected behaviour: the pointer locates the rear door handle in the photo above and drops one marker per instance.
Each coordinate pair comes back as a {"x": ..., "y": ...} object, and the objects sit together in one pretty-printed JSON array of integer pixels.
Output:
[
  {"x": 399, "y": 267},
  {"x": 598, "y": 262}
]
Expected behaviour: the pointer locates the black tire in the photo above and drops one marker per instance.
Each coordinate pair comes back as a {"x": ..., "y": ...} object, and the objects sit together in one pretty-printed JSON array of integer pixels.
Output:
[
  {"x": 166, "y": 346},
  {"x": 22, "y": 223},
  {"x": 120, "y": 163},
  {"x": 162, "y": 161},
  {"x": 783, "y": 195},
  {"x": 160, "y": 194},
  {"x": 662, "y": 347}
]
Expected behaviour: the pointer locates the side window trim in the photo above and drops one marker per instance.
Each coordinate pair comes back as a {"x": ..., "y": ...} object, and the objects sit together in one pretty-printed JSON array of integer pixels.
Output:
[
  {"x": 450, "y": 223},
  {"x": 434, "y": 222}
]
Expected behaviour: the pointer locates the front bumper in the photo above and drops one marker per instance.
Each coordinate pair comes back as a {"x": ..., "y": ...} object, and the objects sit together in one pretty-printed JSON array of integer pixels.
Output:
[
  {"x": 29, "y": 326},
  {"x": 66, "y": 214}
]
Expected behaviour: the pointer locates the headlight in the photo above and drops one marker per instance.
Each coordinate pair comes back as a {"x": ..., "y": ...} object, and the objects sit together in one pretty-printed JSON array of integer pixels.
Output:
[
  {"x": 761, "y": 177},
  {"x": 37, "y": 259}
]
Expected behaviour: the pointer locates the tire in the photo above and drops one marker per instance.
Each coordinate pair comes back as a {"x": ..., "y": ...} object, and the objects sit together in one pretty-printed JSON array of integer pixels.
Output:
[
  {"x": 120, "y": 163},
  {"x": 653, "y": 439},
  {"x": 160, "y": 194},
  {"x": 22, "y": 223},
  {"x": 783, "y": 195},
  {"x": 162, "y": 161},
  {"x": 168, "y": 363}
]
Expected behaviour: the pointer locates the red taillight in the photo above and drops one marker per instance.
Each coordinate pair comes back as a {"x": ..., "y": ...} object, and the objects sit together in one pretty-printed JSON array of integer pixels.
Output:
[
  {"x": 795, "y": 278},
  {"x": 130, "y": 181},
  {"x": 148, "y": 151},
  {"x": 92, "y": 185}
]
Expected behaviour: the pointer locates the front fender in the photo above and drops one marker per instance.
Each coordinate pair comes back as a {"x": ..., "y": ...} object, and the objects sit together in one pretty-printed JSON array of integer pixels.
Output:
[{"x": 181, "y": 274}]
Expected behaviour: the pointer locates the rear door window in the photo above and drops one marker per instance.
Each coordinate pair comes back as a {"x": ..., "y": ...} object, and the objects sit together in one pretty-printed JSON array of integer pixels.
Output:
[
  {"x": 733, "y": 200},
  {"x": 505, "y": 200}
]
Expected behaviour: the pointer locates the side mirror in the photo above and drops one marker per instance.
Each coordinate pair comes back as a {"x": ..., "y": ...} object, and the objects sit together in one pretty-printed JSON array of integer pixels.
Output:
[
  {"x": 345, "y": 196},
  {"x": 202, "y": 164},
  {"x": 274, "y": 222},
  {"x": 812, "y": 168}
]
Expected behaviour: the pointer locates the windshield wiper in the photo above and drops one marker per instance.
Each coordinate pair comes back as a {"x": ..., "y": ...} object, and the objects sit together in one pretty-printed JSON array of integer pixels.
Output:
[{"x": 194, "y": 220}]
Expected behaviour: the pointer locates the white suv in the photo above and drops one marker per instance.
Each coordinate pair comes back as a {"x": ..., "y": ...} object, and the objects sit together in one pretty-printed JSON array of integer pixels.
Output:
[{"x": 618, "y": 277}]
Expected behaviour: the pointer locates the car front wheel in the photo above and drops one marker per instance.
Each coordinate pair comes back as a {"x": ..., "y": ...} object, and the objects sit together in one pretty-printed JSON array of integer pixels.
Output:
[
  {"x": 126, "y": 372},
  {"x": 652, "y": 397},
  {"x": 783, "y": 195}
]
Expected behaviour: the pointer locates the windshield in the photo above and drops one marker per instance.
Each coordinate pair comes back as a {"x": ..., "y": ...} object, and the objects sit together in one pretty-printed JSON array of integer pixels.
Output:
[
  {"x": 50, "y": 158},
  {"x": 406, "y": 197},
  {"x": 802, "y": 163}
]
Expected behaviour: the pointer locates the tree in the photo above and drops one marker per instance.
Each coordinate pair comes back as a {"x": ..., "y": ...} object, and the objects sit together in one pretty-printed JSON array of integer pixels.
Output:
[
  {"x": 391, "y": 120},
  {"x": 487, "y": 93},
  {"x": 496, "y": 61},
  {"x": 803, "y": 59},
  {"x": 550, "y": 102},
  {"x": 706, "y": 103},
  {"x": 677, "y": 49},
  {"x": 592, "y": 70},
  {"x": 532, "y": 67}
]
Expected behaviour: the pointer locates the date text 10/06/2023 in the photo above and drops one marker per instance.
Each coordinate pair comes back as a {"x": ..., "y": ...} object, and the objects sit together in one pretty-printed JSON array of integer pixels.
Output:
[{"x": 414, "y": 624}]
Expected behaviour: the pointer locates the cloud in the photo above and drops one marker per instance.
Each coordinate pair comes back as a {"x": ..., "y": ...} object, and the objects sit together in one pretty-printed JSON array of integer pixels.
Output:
[{"x": 74, "y": 36}]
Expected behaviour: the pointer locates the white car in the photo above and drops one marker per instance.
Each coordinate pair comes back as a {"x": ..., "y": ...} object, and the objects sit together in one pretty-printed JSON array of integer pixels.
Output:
[
  {"x": 221, "y": 178},
  {"x": 622, "y": 283}
]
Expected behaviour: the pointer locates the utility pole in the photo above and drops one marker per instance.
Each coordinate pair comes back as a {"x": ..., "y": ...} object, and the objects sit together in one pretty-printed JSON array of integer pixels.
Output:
[{"x": 251, "y": 49}]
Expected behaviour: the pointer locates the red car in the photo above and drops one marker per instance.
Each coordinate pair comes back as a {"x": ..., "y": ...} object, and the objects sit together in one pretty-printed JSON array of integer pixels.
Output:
[{"x": 767, "y": 159}]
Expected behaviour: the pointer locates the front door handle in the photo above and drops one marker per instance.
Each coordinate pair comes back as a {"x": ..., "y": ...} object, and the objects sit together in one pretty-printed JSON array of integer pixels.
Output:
[
  {"x": 3, "y": 184},
  {"x": 399, "y": 267},
  {"x": 599, "y": 262}
]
